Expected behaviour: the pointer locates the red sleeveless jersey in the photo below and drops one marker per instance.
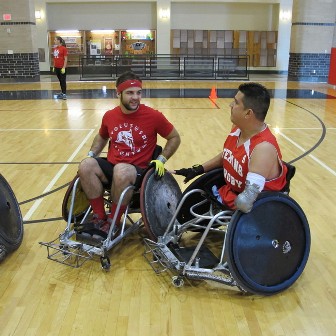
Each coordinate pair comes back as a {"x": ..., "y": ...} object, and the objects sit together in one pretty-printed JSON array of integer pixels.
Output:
[{"x": 236, "y": 164}]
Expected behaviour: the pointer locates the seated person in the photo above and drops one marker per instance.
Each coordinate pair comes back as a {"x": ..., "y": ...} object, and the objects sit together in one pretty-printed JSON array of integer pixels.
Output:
[
  {"x": 251, "y": 157},
  {"x": 131, "y": 130}
]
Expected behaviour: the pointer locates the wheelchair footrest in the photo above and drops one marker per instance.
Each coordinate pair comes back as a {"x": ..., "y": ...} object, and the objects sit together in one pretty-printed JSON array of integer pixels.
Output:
[
  {"x": 159, "y": 257},
  {"x": 206, "y": 259},
  {"x": 70, "y": 255},
  {"x": 88, "y": 240}
]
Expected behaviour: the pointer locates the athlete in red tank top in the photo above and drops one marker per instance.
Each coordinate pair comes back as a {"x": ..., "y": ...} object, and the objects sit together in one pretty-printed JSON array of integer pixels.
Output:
[{"x": 251, "y": 157}]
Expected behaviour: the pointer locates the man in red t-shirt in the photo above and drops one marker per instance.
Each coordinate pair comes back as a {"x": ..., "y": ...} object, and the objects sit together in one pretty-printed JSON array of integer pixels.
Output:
[
  {"x": 131, "y": 130},
  {"x": 251, "y": 157}
]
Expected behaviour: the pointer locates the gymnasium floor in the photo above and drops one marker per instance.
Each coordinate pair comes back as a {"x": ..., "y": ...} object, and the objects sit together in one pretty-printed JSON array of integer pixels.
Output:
[{"x": 43, "y": 140}]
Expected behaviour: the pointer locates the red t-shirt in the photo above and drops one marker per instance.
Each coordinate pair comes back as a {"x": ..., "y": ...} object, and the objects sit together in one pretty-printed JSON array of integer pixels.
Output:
[
  {"x": 236, "y": 164},
  {"x": 59, "y": 53},
  {"x": 133, "y": 136}
]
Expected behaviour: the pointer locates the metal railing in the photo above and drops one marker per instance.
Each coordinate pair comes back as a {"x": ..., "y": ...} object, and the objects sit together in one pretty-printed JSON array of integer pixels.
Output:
[{"x": 165, "y": 67}]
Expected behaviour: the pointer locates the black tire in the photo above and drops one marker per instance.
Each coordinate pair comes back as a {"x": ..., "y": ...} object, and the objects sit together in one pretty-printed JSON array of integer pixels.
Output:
[
  {"x": 11, "y": 223},
  {"x": 268, "y": 248},
  {"x": 158, "y": 202}
]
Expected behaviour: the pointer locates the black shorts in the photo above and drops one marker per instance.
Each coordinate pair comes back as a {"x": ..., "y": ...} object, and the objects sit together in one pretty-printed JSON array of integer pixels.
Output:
[{"x": 107, "y": 168}]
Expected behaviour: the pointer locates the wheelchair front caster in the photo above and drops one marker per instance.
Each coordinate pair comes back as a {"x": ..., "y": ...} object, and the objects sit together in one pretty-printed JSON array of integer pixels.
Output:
[
  {"x": 177, "y": 281},
  {"x": 105, "y": 263}
]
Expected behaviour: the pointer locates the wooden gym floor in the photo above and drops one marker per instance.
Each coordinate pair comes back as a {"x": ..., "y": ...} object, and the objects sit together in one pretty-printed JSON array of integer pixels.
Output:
[{"x": 42, "y": 142}]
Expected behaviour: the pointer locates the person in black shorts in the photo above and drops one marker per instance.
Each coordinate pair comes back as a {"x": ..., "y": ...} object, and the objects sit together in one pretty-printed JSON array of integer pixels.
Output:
[{"x": 131, "y": 130}]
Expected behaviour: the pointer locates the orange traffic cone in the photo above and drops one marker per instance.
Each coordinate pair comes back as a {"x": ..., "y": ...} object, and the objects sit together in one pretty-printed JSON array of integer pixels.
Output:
[{"x": 213, "y": 93}]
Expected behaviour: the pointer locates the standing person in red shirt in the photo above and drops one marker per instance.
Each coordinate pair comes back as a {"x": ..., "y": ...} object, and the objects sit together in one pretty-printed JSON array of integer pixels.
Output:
[
  {"x": 251, "y": 157},
  {"x": 60, "y": 64},
  {"x": 131, "y": 130}
]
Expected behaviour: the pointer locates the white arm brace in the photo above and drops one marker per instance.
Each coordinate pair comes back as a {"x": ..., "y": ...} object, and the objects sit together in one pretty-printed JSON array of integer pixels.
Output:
[{"x": 254, "y": 185}]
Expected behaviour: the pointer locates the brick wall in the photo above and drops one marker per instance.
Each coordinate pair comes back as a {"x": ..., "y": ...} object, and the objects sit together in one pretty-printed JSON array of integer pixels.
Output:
[
  {"x": 309, "y": 67},
  {"x": 19, "y": 66}
]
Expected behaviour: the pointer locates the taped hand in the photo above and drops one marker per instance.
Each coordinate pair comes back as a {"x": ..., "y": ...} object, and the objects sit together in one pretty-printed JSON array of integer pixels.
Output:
[
  {"x": 190, "y": 173},
  {"x": 63, "y": 71},
  {"x": 159, "y": 166}
]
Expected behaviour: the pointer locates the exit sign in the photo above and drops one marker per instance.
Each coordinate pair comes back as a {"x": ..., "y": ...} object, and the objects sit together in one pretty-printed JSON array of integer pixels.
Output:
[{"x": 7, "y": 17}]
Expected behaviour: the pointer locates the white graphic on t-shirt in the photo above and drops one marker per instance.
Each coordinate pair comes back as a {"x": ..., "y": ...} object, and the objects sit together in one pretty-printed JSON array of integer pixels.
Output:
[
  {"x": 126, "y": 137},
  {"x": 56, "y": 53}
]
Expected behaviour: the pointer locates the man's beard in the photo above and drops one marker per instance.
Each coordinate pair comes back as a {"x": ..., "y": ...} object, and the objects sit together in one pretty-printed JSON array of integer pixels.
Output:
[{"x": 129, "y": 107}]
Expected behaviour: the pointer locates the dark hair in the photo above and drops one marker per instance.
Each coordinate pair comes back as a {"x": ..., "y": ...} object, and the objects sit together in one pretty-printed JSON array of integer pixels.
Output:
[
  {"x": 257, "y": 98},
  {"x": 126, "y": 76},
  {"x": 59, "y": 38}
]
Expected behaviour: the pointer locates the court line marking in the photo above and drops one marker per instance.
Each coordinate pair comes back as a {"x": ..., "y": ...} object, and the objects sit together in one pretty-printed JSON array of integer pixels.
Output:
[
  {"x": 333, "y": 172},
  {"x": 56, "y": 177}
]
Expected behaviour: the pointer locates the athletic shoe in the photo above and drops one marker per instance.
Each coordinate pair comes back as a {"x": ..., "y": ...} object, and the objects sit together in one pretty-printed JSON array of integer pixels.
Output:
[
  {"x": 90, "y": 226},
  {"x": 96, "y": 228},
  {"x": 61, "y": 96},
  {"x": 104, "y": 230}
]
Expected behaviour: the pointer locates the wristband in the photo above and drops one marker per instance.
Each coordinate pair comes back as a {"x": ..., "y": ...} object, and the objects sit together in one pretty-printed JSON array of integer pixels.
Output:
[
  {"x": 91, "y": 154},
  {"x": 162, "y": 159}
]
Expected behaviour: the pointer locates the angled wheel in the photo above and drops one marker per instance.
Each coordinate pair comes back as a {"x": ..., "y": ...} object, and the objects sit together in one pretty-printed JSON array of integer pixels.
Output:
[
  {"x": 81, "y": 204},
  {"x": 268, "y": 248},
  {"x": 105, "y": 263},
  {"x": 158, "y": 202},
  {"x": 11, "y": 223}
]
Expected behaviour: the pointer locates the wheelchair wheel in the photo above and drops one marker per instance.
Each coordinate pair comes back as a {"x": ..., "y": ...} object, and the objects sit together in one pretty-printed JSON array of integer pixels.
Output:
[
  {"x": 204, "y": 182},
  {"x": 158, "y": 202},
  {"x": 11, "y": 223},
  {"x": 81, "y": 202},
  {"x": 268, "y": 248}
]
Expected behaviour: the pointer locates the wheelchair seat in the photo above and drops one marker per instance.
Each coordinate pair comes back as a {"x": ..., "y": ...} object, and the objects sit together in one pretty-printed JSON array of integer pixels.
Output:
[{"x": 291, "y": 170}]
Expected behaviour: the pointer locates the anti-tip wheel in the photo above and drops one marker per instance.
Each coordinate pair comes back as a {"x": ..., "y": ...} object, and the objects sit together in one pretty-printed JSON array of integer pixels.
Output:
[
  {"x": 177, "y": 281},
  {"x": 105, "y": 263}
]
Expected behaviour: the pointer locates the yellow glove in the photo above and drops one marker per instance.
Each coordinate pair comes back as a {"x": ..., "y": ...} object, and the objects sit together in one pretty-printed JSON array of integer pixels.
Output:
[
  {"x": 63, "y": 71},
  {"x": 159, "y": 166}
]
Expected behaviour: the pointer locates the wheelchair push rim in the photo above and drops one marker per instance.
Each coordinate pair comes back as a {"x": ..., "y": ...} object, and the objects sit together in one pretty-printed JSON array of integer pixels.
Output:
[
  {"x": 205, "y": 181},
  {"x": 268, "y": 248}
]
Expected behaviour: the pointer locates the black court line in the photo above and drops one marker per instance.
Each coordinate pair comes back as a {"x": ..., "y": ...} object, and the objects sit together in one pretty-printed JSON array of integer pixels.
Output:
[
  {"x": 322, "y": 137},
  {"x": 156, "y": 93}
]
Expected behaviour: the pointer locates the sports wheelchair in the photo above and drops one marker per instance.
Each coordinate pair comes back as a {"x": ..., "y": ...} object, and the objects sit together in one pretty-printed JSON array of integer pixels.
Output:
[
  {"x": 261, "y": 252},
  {"x": 73, "y": 248}
]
